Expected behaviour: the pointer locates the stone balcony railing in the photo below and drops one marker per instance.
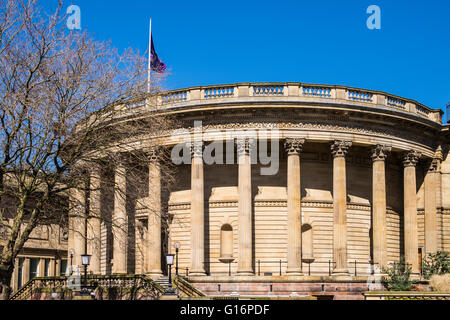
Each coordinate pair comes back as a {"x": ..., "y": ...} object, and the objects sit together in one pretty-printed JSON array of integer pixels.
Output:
[{"x": 291, "y": 92}]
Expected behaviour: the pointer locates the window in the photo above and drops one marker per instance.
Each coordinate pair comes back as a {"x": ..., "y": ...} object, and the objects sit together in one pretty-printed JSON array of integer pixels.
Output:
[
  {"x": 307, "y": 242},
  {"x": 63, "y": 267},
  {"x": 226, "y": 241},
  {"x": 34, "y": 268},
  {"x": 20, "y": 273}
]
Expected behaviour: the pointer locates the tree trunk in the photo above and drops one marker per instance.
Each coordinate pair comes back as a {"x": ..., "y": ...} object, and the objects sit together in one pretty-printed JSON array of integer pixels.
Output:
[{"x": 5, "y": 280}]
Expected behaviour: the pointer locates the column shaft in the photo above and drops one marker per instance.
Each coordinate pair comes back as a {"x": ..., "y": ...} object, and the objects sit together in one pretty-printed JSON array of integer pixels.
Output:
[
  {"x": 339, "y": 150},
  {"x": 197, "y": 212},
  {"x": 120, "y": 222},
  {"x": 154, "y": 218},
  {"x": 410, "y": 211},
  {"x": 294, "y": 215},
  {"x": 431, "y": 176},
  {"x": 94, "y": 231},
  {"x": 379, "y": 206},
  {"x": 245, "y": 256},
  {"x": 77, "y": 223}
]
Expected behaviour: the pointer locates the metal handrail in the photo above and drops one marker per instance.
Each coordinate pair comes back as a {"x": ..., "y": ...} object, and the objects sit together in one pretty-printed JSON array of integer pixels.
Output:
[{"x": 110, "y": 281}]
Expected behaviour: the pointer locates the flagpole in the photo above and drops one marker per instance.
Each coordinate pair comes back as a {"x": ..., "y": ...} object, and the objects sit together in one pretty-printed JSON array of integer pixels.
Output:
[{"x": 149, "y": 76}]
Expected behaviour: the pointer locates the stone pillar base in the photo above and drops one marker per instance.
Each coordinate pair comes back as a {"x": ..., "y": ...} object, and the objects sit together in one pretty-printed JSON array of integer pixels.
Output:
[
  {"x": 245, "y": 273},
  {"x": 415, "y": 276},
  {"x": 154, "y": 274},
  {"x": 294, "y": 272},
  {"x": 197, "y": 273},
  {"x": 341, "y": 274}
]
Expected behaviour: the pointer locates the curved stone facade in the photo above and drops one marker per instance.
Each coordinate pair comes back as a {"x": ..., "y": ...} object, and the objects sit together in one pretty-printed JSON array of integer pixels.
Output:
[{"x": 363, "y": 177}]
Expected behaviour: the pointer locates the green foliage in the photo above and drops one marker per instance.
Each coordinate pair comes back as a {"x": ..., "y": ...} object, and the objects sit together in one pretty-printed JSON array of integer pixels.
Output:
[
  {"x": 398, "y": 276},
  {"x": 436, "y": 263}
]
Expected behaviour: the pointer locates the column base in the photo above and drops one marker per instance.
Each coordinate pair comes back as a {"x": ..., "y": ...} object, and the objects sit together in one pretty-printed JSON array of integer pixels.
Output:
[
  {"x": 197, "y": 273},
  {"x": 415, "y": 276},
  {"x": 294, "y": 272},
  {"x": 155, "y": 274},
  {"x": 341, "y": 274},
  {"x": 245, "y": 273}
]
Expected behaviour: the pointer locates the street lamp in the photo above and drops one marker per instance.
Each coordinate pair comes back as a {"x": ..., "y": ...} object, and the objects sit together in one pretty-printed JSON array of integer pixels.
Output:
[
  {"x": 177, "y": 246},
  {"x": 169, "y": 261},
  {"x": 85, "y": 261},
  {"x": 72, "y": 252}
]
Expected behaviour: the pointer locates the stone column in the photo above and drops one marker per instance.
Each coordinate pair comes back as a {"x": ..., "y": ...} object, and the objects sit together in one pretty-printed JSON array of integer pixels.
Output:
[
  {"x": 14, "y": 278},
  {"x": 58, "y": 267},
  {"x": 120, "y": 222},
  {"x": 410, "y": 160},
  {"x": 294, "y": 215},
  {"x": 245, "y": 243},
  {"x": 25, "y": 271},
  {"x": 379, "y": 155},
  {"x": 52, "y": 267},
  {"x": 430, "y": 201},
  {"x": 94, "y": 231},
  {"x": 153, "y": 252},
  {"x": 197, "y": 211},
  {"x": 339, "y": 150},
  {"x": 77, "y": 220}
]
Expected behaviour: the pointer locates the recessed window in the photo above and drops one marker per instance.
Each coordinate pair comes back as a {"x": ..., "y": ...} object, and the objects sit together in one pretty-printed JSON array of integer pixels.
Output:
[
  {"x": 307, "y": 242},
  {"x": 34, "y": 267},
  {"x": 226, "y": 241}
]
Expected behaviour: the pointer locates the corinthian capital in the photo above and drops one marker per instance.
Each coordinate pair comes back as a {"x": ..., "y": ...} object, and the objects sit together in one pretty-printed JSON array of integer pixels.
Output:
[
  {"x": 244, "y": 145},
  {"x": 196, "y": 149},
  {"x": 339, "y": 148},
  {"x": 380, "y": 152},
  {"x": 294, "y": 146},
  {"x": 433, "y": 165},
  {"x": 411, "y": 158},
  {"x": 153, "y": 154}
]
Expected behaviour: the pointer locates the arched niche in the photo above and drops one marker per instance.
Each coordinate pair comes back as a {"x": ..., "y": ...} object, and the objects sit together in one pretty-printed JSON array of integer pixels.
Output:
[{"x": 226, "y": 243}]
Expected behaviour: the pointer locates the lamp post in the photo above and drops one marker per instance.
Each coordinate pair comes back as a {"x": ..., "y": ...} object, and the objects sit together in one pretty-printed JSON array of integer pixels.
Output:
[
  {"x": 177, "y": 246},
  {"x": 71, "y": 260},
  {"x": 169, "y": 260},
  {"x": 85, "y": 261}
]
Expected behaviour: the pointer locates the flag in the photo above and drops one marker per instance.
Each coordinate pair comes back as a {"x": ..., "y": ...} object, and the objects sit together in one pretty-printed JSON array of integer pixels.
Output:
[{"x": 156, "y": 64}]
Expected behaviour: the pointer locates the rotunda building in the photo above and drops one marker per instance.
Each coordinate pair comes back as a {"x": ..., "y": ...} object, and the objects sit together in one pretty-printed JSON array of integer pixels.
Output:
[{"x": 284, "y": 187}]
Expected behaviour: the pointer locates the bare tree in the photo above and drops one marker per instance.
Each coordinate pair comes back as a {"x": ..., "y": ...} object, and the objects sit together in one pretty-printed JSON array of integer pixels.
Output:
[{"x": 63, "y": 101}]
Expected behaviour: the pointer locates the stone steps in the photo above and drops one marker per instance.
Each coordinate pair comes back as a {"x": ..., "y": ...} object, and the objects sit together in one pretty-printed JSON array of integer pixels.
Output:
[{"x": 163, "y": 281}]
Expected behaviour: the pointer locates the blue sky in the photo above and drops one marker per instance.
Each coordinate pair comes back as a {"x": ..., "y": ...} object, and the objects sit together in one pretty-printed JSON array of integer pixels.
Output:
[{"x": 215, "y": 42}]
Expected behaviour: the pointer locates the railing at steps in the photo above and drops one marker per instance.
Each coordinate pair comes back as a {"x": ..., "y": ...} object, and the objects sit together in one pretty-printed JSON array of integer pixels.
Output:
[
  {"x": 132, "y": 283},
  {"x": 38, "y": 283},
  {"x": 186, "y": 289}
]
